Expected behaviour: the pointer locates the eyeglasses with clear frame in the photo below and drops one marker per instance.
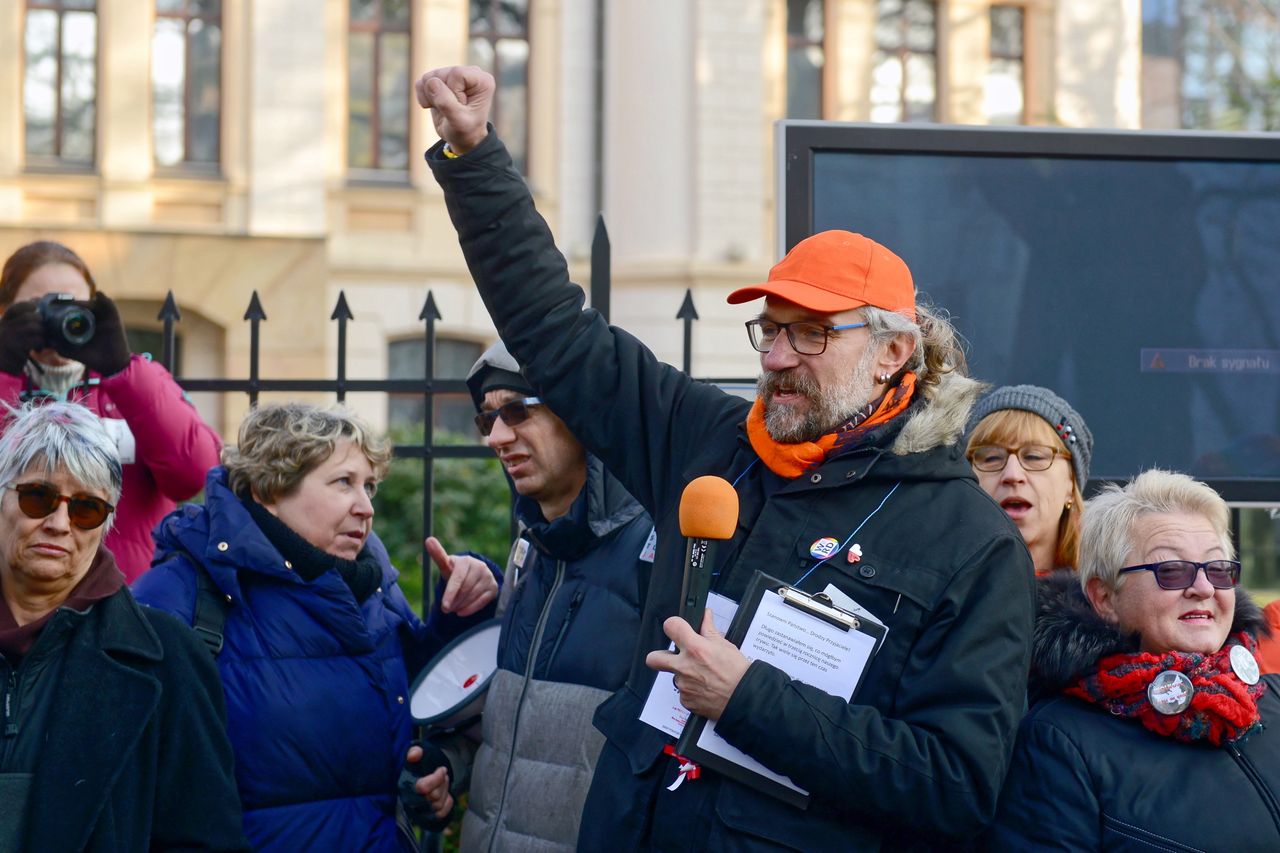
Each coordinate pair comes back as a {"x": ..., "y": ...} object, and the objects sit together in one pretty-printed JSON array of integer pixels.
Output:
[
  {"x": 1032, "y": 457},
  {"x": 1180, "y": 574},
  {"x": 805, "y": 338},
  {"x": 512, "y": 412},
  {"x": 40, "y": 500}
]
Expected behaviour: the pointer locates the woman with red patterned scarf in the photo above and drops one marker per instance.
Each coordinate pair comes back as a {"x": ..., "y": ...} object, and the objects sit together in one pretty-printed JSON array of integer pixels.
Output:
[{"x": 1153, "y": 729}]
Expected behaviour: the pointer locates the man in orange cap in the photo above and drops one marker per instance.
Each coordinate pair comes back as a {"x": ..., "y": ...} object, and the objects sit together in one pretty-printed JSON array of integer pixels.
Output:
[{"x": 850, "y": 481}]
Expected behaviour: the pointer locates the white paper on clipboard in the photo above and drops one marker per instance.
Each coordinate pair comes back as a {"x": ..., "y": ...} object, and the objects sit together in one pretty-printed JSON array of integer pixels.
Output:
[
  {"x": 662, "y": 708},
  {"x": 807, "y": 649}
]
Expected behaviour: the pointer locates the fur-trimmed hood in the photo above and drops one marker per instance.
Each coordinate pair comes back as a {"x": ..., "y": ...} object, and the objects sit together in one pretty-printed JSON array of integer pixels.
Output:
[
  {"x": 941, "y": 418},
  {"x": 1070, "y": 637}
]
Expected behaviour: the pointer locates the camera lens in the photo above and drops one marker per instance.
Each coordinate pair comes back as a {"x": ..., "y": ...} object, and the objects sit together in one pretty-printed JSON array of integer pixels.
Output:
[{"x": 77, "y": 326}]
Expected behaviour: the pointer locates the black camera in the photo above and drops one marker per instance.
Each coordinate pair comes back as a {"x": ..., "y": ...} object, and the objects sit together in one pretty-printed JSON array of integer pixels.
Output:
[{"x": 66, "y": 322}]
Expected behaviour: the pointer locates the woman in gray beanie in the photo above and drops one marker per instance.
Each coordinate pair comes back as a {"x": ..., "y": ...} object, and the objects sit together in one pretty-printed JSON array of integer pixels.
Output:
[{"x": 1030, "y": 450}]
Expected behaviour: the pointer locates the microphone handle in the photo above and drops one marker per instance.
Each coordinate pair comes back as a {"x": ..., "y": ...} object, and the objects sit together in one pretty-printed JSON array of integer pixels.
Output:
[{"x": 697, "y": 582}]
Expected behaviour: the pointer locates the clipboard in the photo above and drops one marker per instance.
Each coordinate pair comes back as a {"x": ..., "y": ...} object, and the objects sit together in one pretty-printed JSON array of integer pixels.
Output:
[{"x": 812, "y": 613}]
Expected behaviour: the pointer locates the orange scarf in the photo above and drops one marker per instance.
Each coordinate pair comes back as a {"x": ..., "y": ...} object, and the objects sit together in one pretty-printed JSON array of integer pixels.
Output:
[{"x": 792, "y": 460}]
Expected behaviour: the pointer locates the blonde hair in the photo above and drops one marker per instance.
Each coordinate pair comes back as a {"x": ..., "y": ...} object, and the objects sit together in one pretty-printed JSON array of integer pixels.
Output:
[
  {"x": 1014, "y": 428},
  {"x": 1107, "y": 534},
  {"x": 280, "y": 444}
]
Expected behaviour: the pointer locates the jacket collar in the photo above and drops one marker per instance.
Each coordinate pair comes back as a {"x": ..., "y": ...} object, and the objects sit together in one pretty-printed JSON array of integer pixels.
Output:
[
  {"x": 1070, "y": 637},
  {"x": 924, "y": 443},
  {"x": 601, "y": 507}
]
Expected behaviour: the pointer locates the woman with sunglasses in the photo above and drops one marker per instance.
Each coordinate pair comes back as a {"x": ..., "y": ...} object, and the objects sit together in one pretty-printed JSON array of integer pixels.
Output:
[
  {"x": 1030, "y": 451},
  {"x": 165, "y": 447},
  {"x": 1155, "y": 730},
  {"x": 112, "y": 713},
  {"x": 317, "y": 642}
]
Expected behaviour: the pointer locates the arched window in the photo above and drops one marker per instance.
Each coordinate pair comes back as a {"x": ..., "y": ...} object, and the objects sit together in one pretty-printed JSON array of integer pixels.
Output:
[{"x": 453, "y": 359}]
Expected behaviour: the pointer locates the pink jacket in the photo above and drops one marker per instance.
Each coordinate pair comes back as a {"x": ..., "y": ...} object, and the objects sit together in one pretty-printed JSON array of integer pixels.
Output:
[{"x": 173, "y": 450}]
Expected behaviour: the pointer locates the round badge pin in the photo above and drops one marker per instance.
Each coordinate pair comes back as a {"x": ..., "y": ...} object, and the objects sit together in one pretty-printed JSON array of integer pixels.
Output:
[
  {"x": 1244, "y": 665},
  {"x": 1170, "y": 692},
  {"x": 823, "y": 548}
]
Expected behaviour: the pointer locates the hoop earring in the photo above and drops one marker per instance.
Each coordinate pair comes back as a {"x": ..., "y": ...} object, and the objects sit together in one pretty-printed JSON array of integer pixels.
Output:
[
  {"x": 884, "y": 377},
  {"x": 1070, "y": 503}
]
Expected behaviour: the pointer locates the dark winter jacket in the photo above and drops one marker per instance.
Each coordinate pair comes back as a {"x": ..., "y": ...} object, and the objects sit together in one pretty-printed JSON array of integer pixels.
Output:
[
  {"x": 316, "y": 684},
  {"x": 133, "y": 751},
  {"x": 1083, "y": 779},
  {"x": 918, "y": 755},
  {"x": 568, "y": 632}
]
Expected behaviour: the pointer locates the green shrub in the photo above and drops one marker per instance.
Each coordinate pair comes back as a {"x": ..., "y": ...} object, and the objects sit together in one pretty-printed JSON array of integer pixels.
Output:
[{"x": 471, "y": 510}]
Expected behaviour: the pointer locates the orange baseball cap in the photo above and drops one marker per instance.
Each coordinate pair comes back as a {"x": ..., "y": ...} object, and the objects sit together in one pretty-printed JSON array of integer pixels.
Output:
[{"x": 836, "y": 271}]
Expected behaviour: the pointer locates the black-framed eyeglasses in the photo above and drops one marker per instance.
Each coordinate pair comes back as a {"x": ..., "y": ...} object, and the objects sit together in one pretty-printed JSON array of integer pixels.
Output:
[
  {"x": 1180, "y": 574},
  {"x": 40, "y": 500},
  {"x": 805, "y": 338},
  {"x": 1032, "y": 457},
  {"x": 513, "y": 413}
]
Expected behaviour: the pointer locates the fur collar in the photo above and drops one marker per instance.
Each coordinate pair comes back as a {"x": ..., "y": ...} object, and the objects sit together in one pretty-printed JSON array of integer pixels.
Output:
[
  {"x": 940, "y": 418},
  {"x": 1070, "y": 638}
]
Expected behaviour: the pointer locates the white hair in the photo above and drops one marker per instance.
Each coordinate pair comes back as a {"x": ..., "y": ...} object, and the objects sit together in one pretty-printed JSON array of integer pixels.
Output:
[
  {"x": 1106, "y": 534},
  {"x": 61, "y": 436}
]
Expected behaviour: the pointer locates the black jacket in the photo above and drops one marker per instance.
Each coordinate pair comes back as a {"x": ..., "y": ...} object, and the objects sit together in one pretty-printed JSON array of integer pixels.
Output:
[
  {"x": 919, "y": 754},
  {"x": 135, "y": 754},
  {"x": 1083, "y": 779}
]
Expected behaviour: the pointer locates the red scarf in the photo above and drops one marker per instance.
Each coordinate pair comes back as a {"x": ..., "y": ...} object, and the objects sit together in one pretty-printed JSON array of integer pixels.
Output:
[
  {"x": 791, "y": 460},
  {"x": 1223, "y": 709}
]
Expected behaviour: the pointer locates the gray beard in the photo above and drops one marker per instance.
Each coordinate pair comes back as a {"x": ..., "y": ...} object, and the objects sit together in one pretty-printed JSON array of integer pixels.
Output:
[{"x": 828, "y": 407}]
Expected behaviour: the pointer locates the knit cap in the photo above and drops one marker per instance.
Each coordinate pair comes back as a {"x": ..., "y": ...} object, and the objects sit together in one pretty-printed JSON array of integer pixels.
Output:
[{"x": 1066, "y": 421}]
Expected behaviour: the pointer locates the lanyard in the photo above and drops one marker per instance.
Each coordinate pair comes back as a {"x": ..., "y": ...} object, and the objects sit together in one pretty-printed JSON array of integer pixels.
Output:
[
  {"x": 843, "y": 545},
  {"x": 846, "y": 542}
]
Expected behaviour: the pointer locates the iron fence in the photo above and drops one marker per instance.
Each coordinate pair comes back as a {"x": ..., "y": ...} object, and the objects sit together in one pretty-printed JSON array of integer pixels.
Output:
[{"x": 340, "y": 385}]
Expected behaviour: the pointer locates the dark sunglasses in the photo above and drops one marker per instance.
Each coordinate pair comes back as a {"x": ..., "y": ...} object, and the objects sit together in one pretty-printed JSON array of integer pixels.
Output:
[
  {"x": 1180, "y": 574},
  {"x": 40, "y": 500},
  {"x": 512, "y": 413}
]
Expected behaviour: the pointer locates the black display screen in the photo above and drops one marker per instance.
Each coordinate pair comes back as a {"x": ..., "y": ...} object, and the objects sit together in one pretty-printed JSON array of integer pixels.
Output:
[{"x": 1136, "y": 274}]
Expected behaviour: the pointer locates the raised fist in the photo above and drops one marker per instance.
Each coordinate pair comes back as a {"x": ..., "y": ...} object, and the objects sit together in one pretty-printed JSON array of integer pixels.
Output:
[{"x": 460, "y": 98}]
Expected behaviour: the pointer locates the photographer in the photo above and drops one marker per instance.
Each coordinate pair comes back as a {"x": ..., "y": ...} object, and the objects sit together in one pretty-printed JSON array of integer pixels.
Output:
[{"x": 165, "y": 446}]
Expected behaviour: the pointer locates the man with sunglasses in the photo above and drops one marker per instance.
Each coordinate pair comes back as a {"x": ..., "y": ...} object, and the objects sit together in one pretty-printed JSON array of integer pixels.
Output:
[
  {"x": 570, "y": 608},
  {"x": 849, "y": 480}
]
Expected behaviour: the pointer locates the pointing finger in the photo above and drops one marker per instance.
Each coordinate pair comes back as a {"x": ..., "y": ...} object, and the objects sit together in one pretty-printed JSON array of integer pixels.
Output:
[{"x": 439, "y": 556}]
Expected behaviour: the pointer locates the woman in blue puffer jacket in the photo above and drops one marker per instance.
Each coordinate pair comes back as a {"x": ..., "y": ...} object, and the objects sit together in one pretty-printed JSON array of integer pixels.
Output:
[{"x": 318, "y": 641}]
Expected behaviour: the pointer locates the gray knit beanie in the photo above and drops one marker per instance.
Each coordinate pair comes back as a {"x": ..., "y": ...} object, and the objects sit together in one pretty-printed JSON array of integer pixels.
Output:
[{"x": 1066, "y": 421}]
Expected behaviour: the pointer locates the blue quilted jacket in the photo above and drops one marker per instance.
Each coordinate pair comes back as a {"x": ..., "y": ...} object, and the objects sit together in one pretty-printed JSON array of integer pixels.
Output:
[{"x": 316, "y": 685}]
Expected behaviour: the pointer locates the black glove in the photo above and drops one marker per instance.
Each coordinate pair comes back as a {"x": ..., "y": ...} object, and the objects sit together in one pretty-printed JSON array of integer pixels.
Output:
[
  {"x": 107, "y": 352},
  {"x": 21, "y": 331},
  {"x": 415, "y": 805}
]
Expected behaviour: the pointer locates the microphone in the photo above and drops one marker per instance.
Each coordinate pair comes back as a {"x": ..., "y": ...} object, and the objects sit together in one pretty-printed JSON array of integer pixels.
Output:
[{"x": 708, "y": 511}]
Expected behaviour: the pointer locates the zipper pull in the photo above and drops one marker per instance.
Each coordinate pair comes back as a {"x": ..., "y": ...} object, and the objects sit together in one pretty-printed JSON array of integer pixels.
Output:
[{"x": 10, "y": 718}]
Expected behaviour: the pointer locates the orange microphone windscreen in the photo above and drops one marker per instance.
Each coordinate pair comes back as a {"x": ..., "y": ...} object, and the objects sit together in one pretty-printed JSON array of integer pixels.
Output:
[{"x": 708, "y": 509}]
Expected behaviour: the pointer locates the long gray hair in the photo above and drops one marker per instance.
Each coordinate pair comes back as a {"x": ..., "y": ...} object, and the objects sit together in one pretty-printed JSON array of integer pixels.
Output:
[{"x": 52, "y": 437}]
